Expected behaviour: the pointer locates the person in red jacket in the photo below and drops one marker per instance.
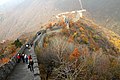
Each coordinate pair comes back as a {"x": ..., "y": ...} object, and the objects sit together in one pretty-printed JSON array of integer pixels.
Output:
[
  {"x": 29, "y": 57},
  {"x": 18, "y": 58}
]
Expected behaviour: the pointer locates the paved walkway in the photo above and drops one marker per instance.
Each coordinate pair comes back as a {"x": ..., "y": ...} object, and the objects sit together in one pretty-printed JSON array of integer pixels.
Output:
[{"x": 21, "y": 72}]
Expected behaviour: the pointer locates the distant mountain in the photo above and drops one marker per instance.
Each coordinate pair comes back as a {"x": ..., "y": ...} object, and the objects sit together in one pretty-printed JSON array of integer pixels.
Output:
[
  {"x": 20, "y": 16},
  {"x": 104, "y": 12}
]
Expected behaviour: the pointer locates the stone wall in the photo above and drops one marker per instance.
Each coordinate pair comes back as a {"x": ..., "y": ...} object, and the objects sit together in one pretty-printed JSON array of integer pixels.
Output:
[
  {"x": 39, "y": 37},
  {"x": 36, "y": 66},
  {"x": 7, "y": 68}
]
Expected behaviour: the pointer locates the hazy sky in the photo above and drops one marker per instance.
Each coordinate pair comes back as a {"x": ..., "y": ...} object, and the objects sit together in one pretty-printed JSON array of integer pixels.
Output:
[{"x": 3, "y": 1}]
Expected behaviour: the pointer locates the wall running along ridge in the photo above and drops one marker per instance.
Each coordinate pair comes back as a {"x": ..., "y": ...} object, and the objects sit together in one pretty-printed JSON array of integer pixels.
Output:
[{"x": 7, "y": 68}]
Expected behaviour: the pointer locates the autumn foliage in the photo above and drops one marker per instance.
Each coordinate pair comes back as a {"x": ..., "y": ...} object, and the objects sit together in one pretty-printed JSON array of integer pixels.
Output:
[
  {"x": 8, "y": 50},
  {"x": 75, "y": 54},
  {"x": 70, "y": 39},
  {"x": 83, "y": 51},
  {"x": 4, "y": 60}
]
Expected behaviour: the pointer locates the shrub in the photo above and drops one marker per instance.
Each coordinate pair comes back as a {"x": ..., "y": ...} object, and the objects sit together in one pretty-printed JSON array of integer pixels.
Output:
[{"x": 17, "y": 43}]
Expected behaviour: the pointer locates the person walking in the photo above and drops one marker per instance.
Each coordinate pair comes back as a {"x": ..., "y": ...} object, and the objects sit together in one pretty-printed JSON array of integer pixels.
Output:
[
  {"x": 29, "y": 57},
  {"x": 22, "y": 56},
  {"x": 18, "y": 58},
  {"x": 30, "y": 65},
  {"x": 31, "y": 44},
  {"x": 26, "y": 58}
]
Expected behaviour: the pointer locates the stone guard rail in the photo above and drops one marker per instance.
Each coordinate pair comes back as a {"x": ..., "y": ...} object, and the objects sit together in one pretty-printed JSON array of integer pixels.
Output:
[
  {"x": 7, "y": 68},
  {"x": 36, "y": 66}
]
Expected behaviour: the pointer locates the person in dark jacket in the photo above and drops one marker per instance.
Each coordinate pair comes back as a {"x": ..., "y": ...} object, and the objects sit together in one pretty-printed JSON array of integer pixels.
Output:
[
  {"x": 22, "y": 57},
  {"x": 30, "y": 65},
  {"x": 31, "y": 44}
]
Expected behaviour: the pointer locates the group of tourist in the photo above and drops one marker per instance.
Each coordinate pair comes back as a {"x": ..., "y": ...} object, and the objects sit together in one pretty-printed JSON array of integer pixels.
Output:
[{"x": 26, "y": 59}]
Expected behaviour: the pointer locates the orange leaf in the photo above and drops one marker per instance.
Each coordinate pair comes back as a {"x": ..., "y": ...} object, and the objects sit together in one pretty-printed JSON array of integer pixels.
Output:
[
  {"x": 70, "y": 39},
  {"x": 75, "y": 54}
]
